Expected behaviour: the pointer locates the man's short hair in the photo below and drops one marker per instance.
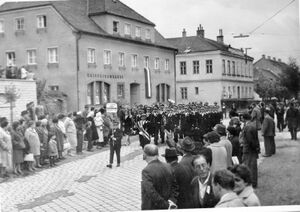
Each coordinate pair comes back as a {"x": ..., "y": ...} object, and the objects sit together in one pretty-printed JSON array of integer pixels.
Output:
[
  {"x": 206, "y": 153},
  {"x": 151, "y": 150},
  {"x": 224, "y": 178},
  {"x": 243, "y": 172}
]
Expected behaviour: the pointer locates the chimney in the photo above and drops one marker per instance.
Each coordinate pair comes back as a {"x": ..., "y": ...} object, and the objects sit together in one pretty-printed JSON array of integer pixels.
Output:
[
  {"x": 264, "y": 56},
  {"x": 269, "y": 57},
  {"x": 200, "y": 31},
  {"x": 184, "y": 33},
  {"x": 220, "y": 37},
  {"x": 274, "y": 58}
]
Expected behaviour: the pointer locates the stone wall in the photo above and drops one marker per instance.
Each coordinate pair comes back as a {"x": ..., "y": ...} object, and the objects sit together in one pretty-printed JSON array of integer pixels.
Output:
[{"x": 26, "y": 89}]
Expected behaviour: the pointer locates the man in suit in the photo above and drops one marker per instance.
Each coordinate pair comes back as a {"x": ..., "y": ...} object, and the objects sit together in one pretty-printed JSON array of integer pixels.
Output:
[
  {"x": 268, "y": 132},
  {"x": 251, "y": 147},
  {"x": 256, "y": 116},
  {"x": 159, "y": 187},
  {"x": 203, "y": 194},
  {"x": 187, "y": 171}
]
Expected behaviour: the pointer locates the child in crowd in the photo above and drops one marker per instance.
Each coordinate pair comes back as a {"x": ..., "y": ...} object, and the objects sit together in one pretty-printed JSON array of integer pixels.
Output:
[
  {"x": 115, "y": 146},
  {"x": 53, "y": 152}
]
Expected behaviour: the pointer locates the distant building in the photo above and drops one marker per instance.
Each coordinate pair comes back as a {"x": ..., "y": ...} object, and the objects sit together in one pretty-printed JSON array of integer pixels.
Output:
[
  {"x": 95, "y": 51},
  {"x": 268, "y": 67},
  {"x": 211, "y": 71}
]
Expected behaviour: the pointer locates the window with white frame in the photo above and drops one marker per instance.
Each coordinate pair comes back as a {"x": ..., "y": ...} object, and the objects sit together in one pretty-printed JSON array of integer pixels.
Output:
[
  {"x": 31, "y": 57},
  {"x": 147, "y": 35},
  {"x": 196, "y": 66},
  {"x": 228, "y": 68},
  {"x": 196, "y": 90},
  {"x": 107, "y": 57},
  {"x": 233, "y": 68},
  {"x": 156, "y": 63},
  {"x": 121, "y": 90},
  {"x": 115, "y": 26},
  {"x": 127, "y": 29},
  {"x": 134, "y": 61},
  {"x": 10, "y": 58},
  {"x": 229, "y": 92},
  {"x": 224, "y": 67},
  {"x": 20, "y": 24},
  {"x": 91, "y": 55},
  {"x": 183, "y": 92},
  {"x": 209, "y": 66},
  {"x": 146, "y": 61},
  {"x": 1, "y": 26},
  {"x": 52, "y": 55},
  {"x": 167, "y": 63},
  {"x": 121, "y": 59},
  {"x": 41, "y": 21},
  {"x": 137, "y": 31},
  {"x": 183, "y": 68}
]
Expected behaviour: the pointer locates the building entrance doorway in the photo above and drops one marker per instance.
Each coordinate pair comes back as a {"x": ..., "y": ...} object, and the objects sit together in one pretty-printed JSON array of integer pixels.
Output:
[{"x": 134, "y": 94}]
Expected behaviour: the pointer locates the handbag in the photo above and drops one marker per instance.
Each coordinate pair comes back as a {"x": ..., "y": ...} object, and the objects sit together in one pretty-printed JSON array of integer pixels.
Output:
[
  {"x": 29, "y": 157},
  {"x": 20, "y": 145}
]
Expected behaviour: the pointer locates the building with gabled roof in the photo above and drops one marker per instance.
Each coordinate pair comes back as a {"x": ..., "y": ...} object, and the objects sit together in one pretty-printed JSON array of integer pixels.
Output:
[
  {"x": 211, "y": 71},
  {"x": 95, "y": 51},
  {"x": 268, "y": 67}
]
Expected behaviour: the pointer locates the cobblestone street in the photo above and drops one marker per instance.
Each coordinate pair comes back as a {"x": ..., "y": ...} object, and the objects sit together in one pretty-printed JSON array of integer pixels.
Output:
[{"x": 82, "y": 185}]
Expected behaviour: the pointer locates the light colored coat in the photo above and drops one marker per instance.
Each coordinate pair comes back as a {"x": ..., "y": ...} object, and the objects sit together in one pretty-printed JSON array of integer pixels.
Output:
[
  {"x": 248, "y": 197},
  {"x": 34, "y": 141},
  {"x": 71, "y": 132},
  {"x": 230, "y": 200},
  {"x": 228, "y": 146},
  {"x": 256, "y": 117},
  {"x": 219, "y": 157},
  {"x": 5, "y": 150}
]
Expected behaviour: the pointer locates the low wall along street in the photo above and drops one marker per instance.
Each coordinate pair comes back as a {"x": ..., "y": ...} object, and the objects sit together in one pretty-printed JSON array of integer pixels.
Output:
[{"x": 26, "y": 90}]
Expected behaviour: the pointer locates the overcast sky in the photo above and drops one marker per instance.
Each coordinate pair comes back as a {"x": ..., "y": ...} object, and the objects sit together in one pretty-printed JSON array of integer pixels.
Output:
[{"x": 279, "y": 37}]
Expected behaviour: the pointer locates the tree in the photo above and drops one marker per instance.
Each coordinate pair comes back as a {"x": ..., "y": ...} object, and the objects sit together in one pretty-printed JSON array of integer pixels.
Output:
[
  {"x": 11, "y": 95},
  {"x": 290, "y": 78}
]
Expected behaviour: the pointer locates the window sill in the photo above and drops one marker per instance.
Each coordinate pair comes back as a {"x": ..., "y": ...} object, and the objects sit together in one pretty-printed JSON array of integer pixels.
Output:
[
  {"x": 41, "y": 30},
  {"x": 92, "y": 65},
  {"x": 122, "y": 68},
  {"x": 134, "y": 69},
  {"x": 19, "y": 32},
  {"x": 32, "y": 66},
  {"x": 107, "y": 66},
  {"x": 52, "y": 65}
]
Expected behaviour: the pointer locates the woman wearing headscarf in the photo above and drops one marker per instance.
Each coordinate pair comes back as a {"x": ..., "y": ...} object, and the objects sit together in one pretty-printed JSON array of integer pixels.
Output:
[
  {"x": 17, "y": 139},
  {"x": 34, "y": 143}
]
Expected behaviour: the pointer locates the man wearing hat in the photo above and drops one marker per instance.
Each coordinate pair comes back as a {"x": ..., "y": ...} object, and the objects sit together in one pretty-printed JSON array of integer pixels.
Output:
[
  {"x": 144, "y": 136},
  {"x": 187, "y": 173}
]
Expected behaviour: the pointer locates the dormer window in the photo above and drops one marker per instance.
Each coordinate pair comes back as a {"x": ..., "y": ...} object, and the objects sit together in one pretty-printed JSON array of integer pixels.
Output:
[
  {"x": 147, "y": 34},
  {"x": 127, "y": 29},
  {"x": 20, "y": 23},
  {"x": 115, "y": 26},
  {"x": 41, "y": 21},
  {"x": 138, "y": 32}
]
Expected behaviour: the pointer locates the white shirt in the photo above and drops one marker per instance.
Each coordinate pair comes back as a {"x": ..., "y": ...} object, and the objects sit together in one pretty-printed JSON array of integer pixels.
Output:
[{"x": 203, "y": 187}]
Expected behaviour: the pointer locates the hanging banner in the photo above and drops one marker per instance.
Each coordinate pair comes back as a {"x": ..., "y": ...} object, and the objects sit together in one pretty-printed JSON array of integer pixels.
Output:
[{"x": 148, "y": 84}]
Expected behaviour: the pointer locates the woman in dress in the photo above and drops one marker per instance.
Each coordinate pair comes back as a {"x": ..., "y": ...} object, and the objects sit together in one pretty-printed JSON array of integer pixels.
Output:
[
  {"x": 71, "y": 134},
  {"x": 60, "y": 136},
  {"x": 6, "y": 163},
  {"x": 128, "y": 125},
  {"x": 17, "y": 139},
  {"x": 34, "y": 144}
]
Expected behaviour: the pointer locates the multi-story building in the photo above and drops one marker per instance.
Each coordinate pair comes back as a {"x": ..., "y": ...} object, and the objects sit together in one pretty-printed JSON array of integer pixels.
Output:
[
  {"x": 210, "y": 71},
  {"x": 269, "y": 68},
  {"x": 95, "y": 51}
]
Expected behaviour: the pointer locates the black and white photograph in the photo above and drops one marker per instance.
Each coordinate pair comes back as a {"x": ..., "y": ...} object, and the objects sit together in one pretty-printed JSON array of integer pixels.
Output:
[{"x": 138, "y": 105}]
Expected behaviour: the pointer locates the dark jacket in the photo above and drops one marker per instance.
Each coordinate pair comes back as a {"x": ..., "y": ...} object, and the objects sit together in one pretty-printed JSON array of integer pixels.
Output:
[
  {"x": 158, "y": 186},
  {"x": 209, "y": 199},
  {"x": 268, "y": 126},
  {"x": 250, "y": 139},
  {"x": 187, "y": 173}
]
